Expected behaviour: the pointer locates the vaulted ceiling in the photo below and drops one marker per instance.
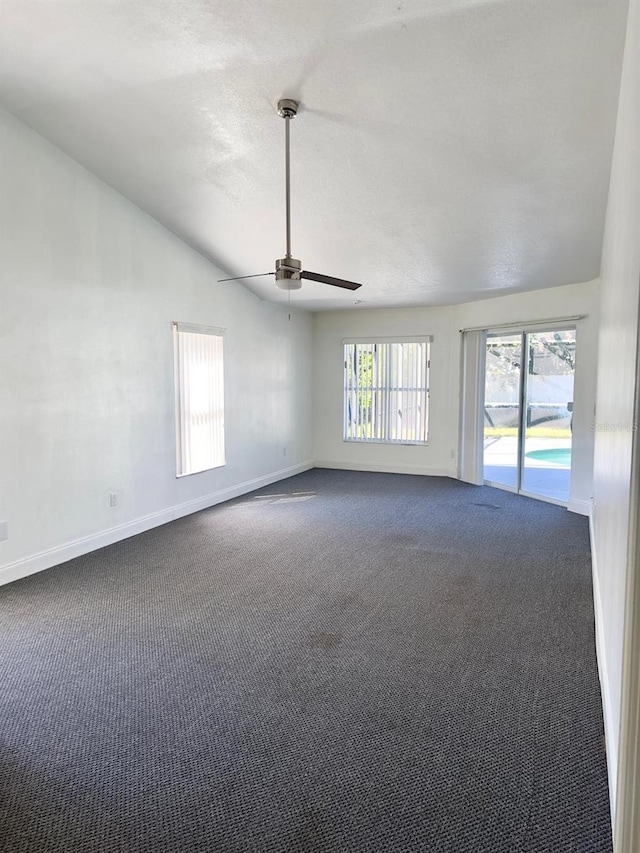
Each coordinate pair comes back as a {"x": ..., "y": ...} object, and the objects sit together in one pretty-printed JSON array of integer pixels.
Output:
[{"x": 445, "y": 150}]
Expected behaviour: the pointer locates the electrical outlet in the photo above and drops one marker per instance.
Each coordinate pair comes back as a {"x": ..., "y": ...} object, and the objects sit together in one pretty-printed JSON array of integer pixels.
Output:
[
  {"x": 4, "y": 530},
  {"x": 113, "y": 499},
  {"x": 284, "y": 451}
]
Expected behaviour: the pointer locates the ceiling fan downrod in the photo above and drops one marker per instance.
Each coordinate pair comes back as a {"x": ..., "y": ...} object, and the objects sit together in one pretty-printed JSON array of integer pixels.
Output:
[
  {"x": 288, "y": 268},
  {"x": 289, "y": 272}
]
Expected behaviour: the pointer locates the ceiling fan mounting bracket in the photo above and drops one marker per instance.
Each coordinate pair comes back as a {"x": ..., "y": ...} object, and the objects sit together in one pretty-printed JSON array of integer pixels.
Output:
[{"x": 287, "y": 108}]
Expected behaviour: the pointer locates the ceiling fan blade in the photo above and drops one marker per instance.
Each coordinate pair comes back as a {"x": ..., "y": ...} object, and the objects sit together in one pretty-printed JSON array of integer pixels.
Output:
[
  {"x": 238, "y": 277},
  {"x": 329, "y": 279}
]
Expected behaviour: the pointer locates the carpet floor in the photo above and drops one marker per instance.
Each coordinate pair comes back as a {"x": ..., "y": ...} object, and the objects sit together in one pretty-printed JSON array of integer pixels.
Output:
[{"x": 340, "y": 662}]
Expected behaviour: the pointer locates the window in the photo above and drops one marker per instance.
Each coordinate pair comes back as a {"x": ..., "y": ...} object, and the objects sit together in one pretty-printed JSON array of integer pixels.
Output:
[
  {"x": 199, "y": 398},
  {"x": 386, "y": 390}
]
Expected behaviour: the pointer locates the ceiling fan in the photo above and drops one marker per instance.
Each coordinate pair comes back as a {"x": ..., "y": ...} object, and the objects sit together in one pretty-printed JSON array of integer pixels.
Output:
[{"x": 288, "y": 271}]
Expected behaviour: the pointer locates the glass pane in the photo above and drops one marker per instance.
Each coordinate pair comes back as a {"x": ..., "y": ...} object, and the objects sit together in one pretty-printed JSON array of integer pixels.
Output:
[
  {"x": 386, "y": 392},
  {"x": 547, "y": 446},
  {"x": 502, "y": 409},
  {"x": 200, "y": 403}
]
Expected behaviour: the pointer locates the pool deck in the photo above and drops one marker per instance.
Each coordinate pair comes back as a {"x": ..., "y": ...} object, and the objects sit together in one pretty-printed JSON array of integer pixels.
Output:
[{"x": 540, "y": 477}]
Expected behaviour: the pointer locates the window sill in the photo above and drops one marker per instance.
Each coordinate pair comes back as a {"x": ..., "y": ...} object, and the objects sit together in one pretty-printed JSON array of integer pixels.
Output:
[{"x": 201, "y": 471}]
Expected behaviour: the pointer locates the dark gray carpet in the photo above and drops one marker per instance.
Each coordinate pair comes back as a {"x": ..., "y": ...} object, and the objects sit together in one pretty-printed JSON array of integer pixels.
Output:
[{"x": 340, "y": 662}]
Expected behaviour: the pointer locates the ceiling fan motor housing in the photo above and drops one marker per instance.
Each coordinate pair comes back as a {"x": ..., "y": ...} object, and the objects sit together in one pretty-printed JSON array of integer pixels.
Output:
[{"x": 288, "y": 273}]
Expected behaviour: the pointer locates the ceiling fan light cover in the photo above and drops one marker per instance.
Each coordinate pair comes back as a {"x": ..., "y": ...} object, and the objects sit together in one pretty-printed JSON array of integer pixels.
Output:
[{"x": 289, "y": 283}]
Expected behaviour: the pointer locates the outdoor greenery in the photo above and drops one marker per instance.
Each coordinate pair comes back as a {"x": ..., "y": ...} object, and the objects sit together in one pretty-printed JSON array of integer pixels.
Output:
[
  {"x": 549, "y": 349},
  {"x": 532, "y": 432},
  {"x": 386, "y": 391}
]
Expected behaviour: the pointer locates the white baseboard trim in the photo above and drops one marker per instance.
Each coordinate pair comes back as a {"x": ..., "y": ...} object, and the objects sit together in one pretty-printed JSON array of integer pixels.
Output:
[
  {"x": 581, "y": 507},
  {"x": 610, "y": 724},
  {"x": 61, "y": 553},
  {"x": 385, "y": 469}
]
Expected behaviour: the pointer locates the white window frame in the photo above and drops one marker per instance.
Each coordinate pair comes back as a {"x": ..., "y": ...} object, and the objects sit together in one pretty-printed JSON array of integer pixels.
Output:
[
  {"x": 382, "y": 391},
  {"x": 189, "y": 459}
]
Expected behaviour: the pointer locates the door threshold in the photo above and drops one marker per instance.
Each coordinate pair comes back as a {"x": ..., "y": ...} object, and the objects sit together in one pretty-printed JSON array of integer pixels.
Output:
[
  {"x": 502, "y": 486},
  {"x": 544, "y": 498}
]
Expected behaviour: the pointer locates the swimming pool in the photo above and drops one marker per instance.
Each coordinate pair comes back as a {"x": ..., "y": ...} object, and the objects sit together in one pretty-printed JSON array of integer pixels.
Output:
[{"x": 555, "y": 455}]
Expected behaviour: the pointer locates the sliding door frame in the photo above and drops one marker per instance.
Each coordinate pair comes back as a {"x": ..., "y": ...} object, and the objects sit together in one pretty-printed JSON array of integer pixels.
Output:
[
  {"x": 525, "y": 330},
  {"x": 514, "y": 490}
]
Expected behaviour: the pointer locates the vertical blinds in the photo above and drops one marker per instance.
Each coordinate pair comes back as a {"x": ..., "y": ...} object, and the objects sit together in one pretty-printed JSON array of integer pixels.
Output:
[
  {"x": 386, "y": 389},
  {"x": 199, "y": 398}
]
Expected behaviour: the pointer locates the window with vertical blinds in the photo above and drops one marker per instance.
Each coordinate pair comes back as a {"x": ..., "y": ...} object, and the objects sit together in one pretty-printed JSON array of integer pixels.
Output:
[
  {"x": 386, "y": 390},
  {"x": 199, "y": 377}
]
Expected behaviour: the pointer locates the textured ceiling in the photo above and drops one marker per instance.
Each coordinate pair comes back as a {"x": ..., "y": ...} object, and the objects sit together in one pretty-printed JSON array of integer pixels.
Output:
[{"x": 445, "y": 150}]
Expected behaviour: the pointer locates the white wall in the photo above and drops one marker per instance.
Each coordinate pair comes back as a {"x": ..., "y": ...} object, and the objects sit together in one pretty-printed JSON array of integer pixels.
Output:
[
  {"x": 89, "y": 287},
  {"x": 439, "y": 456},
  {"x": 615, "y": 436}
]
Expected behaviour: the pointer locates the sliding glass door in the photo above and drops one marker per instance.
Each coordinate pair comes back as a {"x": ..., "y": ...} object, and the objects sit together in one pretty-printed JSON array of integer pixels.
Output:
[
  {"x": 528, "y": 412},
  {"x": 502, "y": 390},
  {"x": 546, "y": 457}
]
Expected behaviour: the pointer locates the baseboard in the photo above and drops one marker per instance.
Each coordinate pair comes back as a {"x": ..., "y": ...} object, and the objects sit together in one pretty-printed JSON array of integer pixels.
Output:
[
  {"x": 610, "y": 724},
  {"x": 61, "y": 553},
  {"x": 385, "y": 469},
  {"x": 580, "y": 507}
]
